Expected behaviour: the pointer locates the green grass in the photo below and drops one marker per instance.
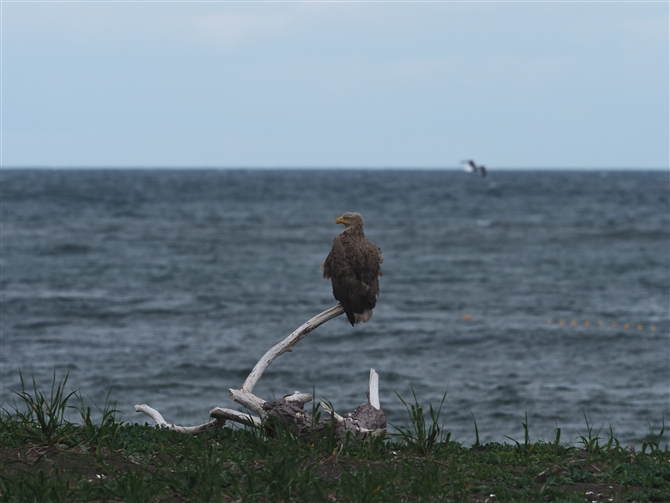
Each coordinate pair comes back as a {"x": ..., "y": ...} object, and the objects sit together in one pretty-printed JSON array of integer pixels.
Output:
[{"x": 47, "y": 458}]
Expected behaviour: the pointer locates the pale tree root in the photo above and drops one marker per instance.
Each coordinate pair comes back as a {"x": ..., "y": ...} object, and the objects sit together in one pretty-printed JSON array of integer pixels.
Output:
[{"x": 368, "y": 420}]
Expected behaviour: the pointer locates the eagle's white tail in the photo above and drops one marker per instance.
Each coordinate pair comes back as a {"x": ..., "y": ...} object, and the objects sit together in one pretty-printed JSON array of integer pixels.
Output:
[{"x": 364, "y": 316}]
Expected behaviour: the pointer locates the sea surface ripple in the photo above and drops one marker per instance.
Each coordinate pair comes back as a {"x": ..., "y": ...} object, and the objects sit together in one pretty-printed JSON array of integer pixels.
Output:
[{"x": 533, "y": 292}]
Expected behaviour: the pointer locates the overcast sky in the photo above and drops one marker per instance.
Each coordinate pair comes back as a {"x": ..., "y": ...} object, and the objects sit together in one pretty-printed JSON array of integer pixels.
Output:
[{"x": 335, "y": 84}]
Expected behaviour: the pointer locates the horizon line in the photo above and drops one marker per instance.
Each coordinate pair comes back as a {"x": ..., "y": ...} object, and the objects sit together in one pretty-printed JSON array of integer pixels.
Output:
[{"x": 331, "y": 168}]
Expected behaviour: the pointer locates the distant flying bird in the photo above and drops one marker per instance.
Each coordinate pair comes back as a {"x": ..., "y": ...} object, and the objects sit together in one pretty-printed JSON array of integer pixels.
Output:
[
  {"x": 354, "y": 266},
  {"x": 473, "y": 168}
]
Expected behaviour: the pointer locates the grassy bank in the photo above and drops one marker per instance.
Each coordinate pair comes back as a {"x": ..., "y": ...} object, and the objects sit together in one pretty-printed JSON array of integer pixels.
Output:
[{"x": 48, "y": 458}]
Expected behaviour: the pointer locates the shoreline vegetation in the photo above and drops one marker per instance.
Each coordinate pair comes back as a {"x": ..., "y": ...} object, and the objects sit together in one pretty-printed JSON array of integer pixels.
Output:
[{"x": 44, "y": 457}]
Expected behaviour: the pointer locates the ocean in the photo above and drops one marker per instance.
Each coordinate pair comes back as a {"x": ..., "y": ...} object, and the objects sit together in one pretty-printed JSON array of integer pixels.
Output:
[{"x": 538, "y": 293}]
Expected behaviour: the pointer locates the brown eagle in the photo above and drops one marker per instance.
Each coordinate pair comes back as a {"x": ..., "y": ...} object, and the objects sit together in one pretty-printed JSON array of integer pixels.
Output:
[{"x": 353, "y": 266}]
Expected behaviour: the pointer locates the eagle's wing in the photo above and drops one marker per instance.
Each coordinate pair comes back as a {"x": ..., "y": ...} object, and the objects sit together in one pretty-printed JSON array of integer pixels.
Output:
[
  {"x": 333, "y": 262},
  {"x": 366, "y": 263}
]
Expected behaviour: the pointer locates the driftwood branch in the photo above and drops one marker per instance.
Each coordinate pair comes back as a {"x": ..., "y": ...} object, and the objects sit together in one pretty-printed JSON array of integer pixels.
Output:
[
  {"x": 287, "y": 344},
  {"x": 373, "y": 390},
  {"x": 367, "y": 420},
  {"x": 244, "y": 396},
  {"x": 193, "y": 430},
  {"x": 234, "y": 415}
]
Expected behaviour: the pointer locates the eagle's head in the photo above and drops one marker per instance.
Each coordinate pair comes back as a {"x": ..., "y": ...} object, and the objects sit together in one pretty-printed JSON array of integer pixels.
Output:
[{"x": 350, "y": 219}]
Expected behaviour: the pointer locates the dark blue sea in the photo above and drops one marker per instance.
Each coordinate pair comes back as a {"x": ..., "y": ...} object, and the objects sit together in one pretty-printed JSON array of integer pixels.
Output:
[{"x": 543, "y": 293}]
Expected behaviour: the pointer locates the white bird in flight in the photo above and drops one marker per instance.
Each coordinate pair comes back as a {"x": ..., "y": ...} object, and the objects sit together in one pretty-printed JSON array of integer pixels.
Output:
[{"x": 473, "y": 168}]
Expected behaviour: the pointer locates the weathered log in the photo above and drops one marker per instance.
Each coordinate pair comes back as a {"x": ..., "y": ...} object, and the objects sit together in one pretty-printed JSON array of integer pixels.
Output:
[{"x": 367, "y": 420}]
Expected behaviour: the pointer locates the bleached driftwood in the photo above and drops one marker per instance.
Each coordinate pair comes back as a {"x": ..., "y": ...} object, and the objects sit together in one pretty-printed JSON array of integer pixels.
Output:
[
  {"x": 244, "y": 395},
  {"x": 158, "y": 419},
  {"x": 367, "y": 420}
]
